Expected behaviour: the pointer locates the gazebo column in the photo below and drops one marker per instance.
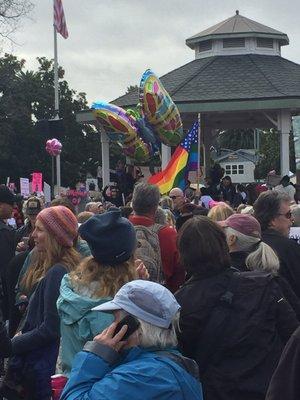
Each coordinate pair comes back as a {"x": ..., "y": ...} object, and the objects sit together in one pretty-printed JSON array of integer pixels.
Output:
[
  {"x": 165, "y": 155},
  {"x": 284, "y": 127},
  {"x": 207, "y": 141},
  {"x": 105, "y": 157}
]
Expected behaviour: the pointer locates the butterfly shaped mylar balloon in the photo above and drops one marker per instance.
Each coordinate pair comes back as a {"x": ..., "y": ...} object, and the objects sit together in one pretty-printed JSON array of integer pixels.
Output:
[{"x": 156, "y": 120}]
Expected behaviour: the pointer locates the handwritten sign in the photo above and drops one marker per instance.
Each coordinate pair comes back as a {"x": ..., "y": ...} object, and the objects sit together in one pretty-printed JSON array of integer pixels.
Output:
[
  {"x": 37, "y": 182},
  {"x": 24, "y": 187}
]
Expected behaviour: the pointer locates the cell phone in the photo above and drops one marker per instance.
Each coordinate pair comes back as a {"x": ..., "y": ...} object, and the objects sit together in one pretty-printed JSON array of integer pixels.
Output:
[{"x": 132, "y": 325}]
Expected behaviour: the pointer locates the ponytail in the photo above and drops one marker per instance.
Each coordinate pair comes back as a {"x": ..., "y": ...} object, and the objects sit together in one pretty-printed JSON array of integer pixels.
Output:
[{"x": 263, "y": 258}]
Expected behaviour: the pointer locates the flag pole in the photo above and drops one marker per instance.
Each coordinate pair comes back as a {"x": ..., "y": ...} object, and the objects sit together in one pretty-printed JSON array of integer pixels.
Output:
[
  {"x": 56, "y": 101},
  {"x": 199, "y": 149}
]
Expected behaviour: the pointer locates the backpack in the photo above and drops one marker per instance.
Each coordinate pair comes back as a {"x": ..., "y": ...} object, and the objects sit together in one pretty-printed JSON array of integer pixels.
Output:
[{"x": 148, "y": 250}]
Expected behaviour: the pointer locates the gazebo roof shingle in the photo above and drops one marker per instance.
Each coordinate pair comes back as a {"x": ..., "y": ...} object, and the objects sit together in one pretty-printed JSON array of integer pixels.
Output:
[
  {"x": 236, "y": 77},
  {"x": 237, "y": 26}
]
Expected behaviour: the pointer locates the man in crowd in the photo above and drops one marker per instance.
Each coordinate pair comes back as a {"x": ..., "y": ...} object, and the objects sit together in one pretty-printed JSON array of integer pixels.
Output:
[
  {"x": 142, "y": 366},
  {"x": 7, "y": 238},
  {"x": 157, "y": 244},
  {"x": 228, "y": 190},
  {"x": 272, "y": 210},
  {"x": 177, "y": 195}
]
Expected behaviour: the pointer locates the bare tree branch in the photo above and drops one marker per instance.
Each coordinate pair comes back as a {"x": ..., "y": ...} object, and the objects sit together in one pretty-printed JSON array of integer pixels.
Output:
[{"x": 11, "y": 14}]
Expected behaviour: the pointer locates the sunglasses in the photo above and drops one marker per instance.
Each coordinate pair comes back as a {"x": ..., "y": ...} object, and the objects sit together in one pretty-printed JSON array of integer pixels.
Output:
[
  {"x": 174, "y": 197},
  {"x": 288, "y": 215}
]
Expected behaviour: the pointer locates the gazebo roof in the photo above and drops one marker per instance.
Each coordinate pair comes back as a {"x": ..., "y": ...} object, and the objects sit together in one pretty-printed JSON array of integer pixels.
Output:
[
  {"x": 237, "y": 26},
  {"x": 236, "y": 78}
]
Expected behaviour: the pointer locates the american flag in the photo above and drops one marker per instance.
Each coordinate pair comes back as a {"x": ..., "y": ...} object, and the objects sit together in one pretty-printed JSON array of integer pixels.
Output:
[
  {"x": 59, "y": 19},
  {"x": 190, "y": 144},
  {"x": 191, "y": 138}
]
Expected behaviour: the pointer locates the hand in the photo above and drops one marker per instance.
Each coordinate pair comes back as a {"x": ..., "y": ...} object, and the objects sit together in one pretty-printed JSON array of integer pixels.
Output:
[
  {"x": 107, "y": 337},
  {"x": 141, "y": 269},
  {"x": 22, "y": 246}
]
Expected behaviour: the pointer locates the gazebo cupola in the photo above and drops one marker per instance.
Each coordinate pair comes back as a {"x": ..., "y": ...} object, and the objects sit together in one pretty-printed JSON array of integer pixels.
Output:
[{"x": 237, "y": 35}]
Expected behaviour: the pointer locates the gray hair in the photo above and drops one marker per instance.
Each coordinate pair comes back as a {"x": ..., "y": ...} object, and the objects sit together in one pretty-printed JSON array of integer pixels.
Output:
[
  {"x": 262, "y": 256},
  {"x": 160, "y": 217},
  {"x": 295, "y": 210},
  {"x": 267, "y": 206},
  {"x": 154, "y": 336},
  {"x": 145, "y": 198}
]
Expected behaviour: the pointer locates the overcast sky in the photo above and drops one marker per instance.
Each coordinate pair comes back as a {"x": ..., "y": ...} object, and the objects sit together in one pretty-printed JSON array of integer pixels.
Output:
[{"x": 112, "y": 42}]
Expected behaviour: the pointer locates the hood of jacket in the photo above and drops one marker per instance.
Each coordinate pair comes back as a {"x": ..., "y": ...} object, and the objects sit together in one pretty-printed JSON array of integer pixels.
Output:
[{"x": 73, "y": 307}]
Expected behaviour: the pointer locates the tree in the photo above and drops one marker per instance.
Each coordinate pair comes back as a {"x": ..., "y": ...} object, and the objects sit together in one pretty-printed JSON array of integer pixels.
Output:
[
  {"x": 11, "y": 13},
  {"x": 236, "y": 139},
  {"x": 132, "y": 89},
  {"x": 28, "y": 96},
  {"x": 270, "y": 153}
]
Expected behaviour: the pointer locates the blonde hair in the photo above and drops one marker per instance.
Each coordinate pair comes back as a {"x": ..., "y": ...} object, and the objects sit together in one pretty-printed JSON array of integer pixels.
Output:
[
  {"x": 170, "y": 218},
  {"x": 166, "y": 202},
  {"x": 41, "y": 262},
  {"x": 109, "y": 278},
  {"x": 220, "y": 212}
]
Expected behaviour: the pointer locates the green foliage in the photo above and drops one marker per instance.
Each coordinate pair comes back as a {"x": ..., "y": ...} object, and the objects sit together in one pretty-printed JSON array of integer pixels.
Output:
[
  {"x": 236, "y": 139},
  {"x": 132, "y": 88},
  {"x": 269, "y": 148},
  {"x": 28, "y": 96},
  {"x": 270, "y": 153}
]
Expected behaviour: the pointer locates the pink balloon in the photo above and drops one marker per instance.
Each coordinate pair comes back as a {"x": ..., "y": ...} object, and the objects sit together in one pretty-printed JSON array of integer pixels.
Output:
[{"x": 53, "y": 147}]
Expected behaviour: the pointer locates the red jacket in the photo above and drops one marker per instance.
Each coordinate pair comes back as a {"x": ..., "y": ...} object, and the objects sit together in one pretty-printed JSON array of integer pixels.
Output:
[{"x": 173, "y": 271}]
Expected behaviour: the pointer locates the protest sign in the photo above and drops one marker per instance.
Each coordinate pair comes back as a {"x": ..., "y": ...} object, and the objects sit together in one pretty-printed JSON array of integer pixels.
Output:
[
  {"x": 295, "y": 234},
  {"x": 24, "y": 187},
  {"x": 37, "y": 182},
  {"x": 47, "y": 193}
]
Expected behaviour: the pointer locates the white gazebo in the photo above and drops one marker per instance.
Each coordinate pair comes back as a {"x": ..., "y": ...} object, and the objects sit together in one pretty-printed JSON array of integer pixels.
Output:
[{"x": 238, "y": 79}]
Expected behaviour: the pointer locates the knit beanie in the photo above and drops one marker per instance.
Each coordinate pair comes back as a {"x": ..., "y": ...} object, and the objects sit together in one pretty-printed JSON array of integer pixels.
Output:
[
  {"x": 111, "y": 237},
  {"x": 61, "y": 223}
]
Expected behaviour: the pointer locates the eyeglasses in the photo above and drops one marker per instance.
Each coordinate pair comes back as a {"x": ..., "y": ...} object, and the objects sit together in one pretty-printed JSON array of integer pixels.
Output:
[
  {"x": 287, "y": 215},
  {"x": 174, "y": 197}
]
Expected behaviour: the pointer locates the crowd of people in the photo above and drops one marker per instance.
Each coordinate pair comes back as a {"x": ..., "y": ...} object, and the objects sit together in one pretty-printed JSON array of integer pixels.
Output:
[{"x": 194, "y": 295}]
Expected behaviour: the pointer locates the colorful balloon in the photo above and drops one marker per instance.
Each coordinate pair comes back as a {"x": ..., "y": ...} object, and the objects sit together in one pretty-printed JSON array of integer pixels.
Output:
[
  {"x": 53, "y": 147},
  {"x": 156, "y": 119}
]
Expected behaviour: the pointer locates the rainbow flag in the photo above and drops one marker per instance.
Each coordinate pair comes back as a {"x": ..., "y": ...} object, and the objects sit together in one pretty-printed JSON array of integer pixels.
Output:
[{"x": 183, "y": 160}]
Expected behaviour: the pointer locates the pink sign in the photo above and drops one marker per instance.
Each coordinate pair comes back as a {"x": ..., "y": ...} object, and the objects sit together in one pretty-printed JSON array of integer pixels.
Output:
[{"x": 37, "y": 182}]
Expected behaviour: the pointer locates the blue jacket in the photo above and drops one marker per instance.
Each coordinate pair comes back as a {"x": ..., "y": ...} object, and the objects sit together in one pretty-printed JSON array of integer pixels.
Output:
[
  {"x": 78, "y": 324},
  {"x": 140, "y": 375}
]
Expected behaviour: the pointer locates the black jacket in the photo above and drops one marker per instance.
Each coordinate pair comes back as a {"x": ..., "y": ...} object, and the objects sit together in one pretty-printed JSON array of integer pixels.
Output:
[
  {"x": 288, "y": 252},
  {"x": 238, "y": 261},
  {"x": 7, "y": 252},
  {"x": 7, "y": 245},
  {"x": 259, "y": 324},
  {"x": 5, "y": 342},
  {"x": 285, "y": 383}
]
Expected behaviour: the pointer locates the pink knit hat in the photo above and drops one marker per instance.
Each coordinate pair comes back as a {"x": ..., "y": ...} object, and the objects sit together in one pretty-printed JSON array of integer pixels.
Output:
[{"x": 61, "y": 223}]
